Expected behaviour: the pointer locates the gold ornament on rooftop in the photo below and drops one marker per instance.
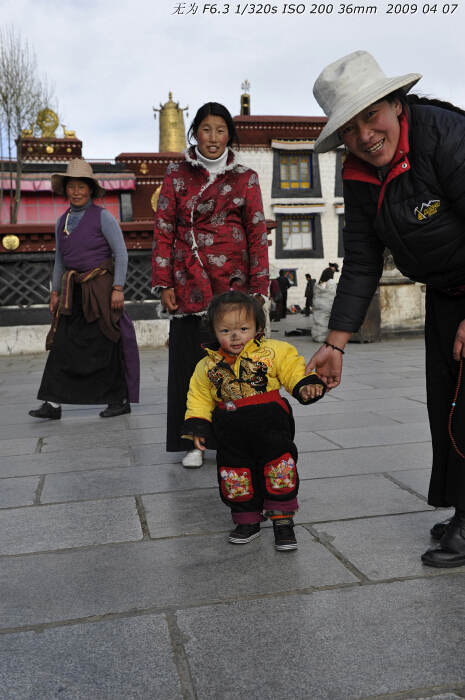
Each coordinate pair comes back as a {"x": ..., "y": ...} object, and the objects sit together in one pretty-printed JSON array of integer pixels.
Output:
[
  {"x": 154, "y": 199},
  {"x": 28, "y": 133},
  {"x": 172, "y": 130},
  {"x": 48, "y": 121},
  {"x": 68, "y": 134},
  {"x": 10, "y": 242}
]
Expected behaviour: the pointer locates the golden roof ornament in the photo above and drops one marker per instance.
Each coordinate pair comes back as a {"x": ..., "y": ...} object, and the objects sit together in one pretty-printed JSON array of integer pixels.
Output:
[
  {"x": 10, "y": 242},
  {"x": 48, "y": 121},
  {"x": 245, "y": 98},
  {"x": 172, "y": 130}
]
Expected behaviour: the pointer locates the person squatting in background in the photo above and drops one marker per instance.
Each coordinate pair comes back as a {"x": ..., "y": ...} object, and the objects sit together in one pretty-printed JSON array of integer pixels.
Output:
[
  {"x": 328, "y": 272},
  {"x": 234, "y": 393}
]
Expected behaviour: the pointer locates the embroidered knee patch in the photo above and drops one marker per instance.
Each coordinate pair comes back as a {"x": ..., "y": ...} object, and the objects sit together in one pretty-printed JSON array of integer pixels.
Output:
[
  {"x": 236, "y": 485},
  {"x": 280, "y": 475}
]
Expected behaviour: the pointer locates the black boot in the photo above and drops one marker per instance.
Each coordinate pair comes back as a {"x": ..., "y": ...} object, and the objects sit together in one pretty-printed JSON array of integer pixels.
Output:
[
  {"x": 47, "y": 411},
  {"x": 439, "y": 529},
  {"x": 450, "y": 551},
  {"x": 114, "y": 409},
  {"x": 284, "y": 536},
  {"x": 244, "y": 533}
]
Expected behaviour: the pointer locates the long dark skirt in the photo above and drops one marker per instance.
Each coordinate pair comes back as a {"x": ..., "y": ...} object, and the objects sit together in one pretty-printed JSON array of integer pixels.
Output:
[
  {"x": 83, "y": 366},
  {"x": 444, "y": 313},
  {"x": 185, "y": 350}
]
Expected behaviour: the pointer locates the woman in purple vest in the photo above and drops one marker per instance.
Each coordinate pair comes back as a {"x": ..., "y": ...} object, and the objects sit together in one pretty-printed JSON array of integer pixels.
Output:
[{"x": 93, "y": 350}]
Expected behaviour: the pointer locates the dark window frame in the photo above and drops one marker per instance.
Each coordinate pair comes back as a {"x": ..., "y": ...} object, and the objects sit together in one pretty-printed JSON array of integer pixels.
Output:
[
  {"x": 315, "y": 252},
  {"x": 340, "y": 237},
  {"x": 279, "y": 192},
  {"x": 338, "y": 187}
]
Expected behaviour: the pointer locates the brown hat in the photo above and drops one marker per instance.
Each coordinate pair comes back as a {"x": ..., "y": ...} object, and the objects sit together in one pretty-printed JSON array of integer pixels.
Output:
[{"x": 80, "y": 169}]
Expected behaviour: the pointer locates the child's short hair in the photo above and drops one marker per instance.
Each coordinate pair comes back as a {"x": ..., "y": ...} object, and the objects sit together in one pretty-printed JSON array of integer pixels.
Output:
[{"x": 234, "y": 300}]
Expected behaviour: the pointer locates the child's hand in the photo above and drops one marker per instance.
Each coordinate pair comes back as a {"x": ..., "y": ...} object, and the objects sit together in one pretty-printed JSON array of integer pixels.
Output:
[
  {"x": 198, "y": 442},
  {"x": 311, "y": 391}
]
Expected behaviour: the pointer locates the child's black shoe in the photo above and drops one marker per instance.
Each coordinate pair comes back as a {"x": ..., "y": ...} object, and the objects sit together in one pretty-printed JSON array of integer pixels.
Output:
[
  {"x": 284, "y": 536},
  {"x": 244, "y": 533}
]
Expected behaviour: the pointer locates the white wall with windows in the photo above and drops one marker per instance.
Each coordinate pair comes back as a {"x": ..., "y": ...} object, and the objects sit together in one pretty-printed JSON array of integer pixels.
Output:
[{"x": 308, "y": 213}]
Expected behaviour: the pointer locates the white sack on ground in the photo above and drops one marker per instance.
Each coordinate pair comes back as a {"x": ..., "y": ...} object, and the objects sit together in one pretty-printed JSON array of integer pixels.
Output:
[{"x": 323, "y": 297}]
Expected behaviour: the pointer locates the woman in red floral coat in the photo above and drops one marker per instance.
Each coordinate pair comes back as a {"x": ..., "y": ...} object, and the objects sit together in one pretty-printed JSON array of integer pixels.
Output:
[{"x": 210, "y": 233}]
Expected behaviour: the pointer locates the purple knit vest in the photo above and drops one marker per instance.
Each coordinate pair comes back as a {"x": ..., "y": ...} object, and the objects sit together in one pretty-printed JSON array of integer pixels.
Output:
[{"x": 86, "y": 247}]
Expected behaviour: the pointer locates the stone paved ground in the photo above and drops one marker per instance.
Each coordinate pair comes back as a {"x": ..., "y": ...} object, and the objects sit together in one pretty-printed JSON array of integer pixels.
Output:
[{"x": 117, "y": 581}]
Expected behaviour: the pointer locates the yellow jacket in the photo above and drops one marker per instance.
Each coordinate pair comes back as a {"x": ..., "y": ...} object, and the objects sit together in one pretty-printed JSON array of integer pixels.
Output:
[{"x": 263, "y": 365}]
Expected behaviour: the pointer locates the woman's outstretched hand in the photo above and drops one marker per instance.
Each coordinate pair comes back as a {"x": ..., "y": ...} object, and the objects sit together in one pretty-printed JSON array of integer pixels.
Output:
[
  {"x": 327, "y": 363},
  {"x": 459, "y": 344},
  {"x": 168, "y": 299}
]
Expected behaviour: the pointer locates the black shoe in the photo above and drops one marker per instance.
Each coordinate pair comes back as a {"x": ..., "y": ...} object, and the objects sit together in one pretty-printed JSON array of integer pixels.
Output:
[
  {"x": 244, "y": 533},
  {"x": 450, "y": 551},
  {"x": 284, "y": 537},
  {"x": 47, "y": 411},
  {"x": 439, "y": 529},
  {"x": 114, "y": 409}
]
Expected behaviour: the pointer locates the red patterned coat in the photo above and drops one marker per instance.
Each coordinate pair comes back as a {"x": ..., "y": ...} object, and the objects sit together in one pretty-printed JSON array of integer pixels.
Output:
[{"x": 206, "y": 234}]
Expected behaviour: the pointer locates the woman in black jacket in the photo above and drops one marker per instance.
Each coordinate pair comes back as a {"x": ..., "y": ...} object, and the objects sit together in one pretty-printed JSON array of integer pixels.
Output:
[{"x": 404, "y": 189}]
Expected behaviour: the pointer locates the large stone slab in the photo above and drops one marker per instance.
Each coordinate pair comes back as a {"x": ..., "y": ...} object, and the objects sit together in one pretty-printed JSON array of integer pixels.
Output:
[
  {"x": 43, "y": 528},
  {"x": 391, "y": 379},
  {"x": 18, "y": 491},
  {"x": 338, "y": 421},
  {"x": 110, "y": 438},
  {"x": 378, "y": 435},
  {"x": 416, "y": 414},
  {"x": 126, "y": 659},
  {"x": 415, "y": 479},
  {"x": 388, "y": 393},
  {"x": 63, "y": 461},
  {"x": 367, "y": 641},
  {"x": 385, "y": 547},
  {"x": 105, "y": 483},
  {"x": 197, "y": 512},
  {"x": 156, "y": 454},
  {"x": 20, "y": 446},
  {"x": 365, "y": 460},
  {"x": 347, "y": 497},
  {"x": 177, "y": 571},
  {"x": 325, "y": 407},
  {"x": 311, "y": 442},
  {"x": 153, "y": 420},
  {"x": 67, "y": 425}
]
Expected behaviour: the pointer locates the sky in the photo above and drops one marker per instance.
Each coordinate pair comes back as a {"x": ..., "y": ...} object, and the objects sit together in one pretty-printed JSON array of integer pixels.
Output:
[{"x": 112, "y": 61}]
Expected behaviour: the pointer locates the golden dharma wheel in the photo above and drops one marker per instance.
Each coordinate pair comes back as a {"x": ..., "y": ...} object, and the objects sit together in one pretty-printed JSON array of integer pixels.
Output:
[
  {"x": 10, "y": 242},
  {"x": 48, "y": 121}
]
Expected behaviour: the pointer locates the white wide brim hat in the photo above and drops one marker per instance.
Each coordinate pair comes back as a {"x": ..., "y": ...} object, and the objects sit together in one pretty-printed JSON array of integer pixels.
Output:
[
  {"x": 348, "y": 86},
  {"x": 81, "y": 169}
]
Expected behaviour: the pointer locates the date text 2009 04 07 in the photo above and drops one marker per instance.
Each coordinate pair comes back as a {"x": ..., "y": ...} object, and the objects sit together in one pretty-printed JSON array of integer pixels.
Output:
[{"x": 318, "y": 9}]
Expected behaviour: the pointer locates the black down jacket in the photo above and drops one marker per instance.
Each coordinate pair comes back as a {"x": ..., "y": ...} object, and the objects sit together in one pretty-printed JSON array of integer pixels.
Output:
[{"x": 418, "y": 213}]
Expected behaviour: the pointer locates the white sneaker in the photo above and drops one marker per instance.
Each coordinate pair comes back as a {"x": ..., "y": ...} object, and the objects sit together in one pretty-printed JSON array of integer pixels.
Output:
[{"x": 192, "y": 459}]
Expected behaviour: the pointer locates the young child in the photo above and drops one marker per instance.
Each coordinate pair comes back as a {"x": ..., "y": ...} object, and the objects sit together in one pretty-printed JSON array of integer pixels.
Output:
[{"x": 234, "y": 392}]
